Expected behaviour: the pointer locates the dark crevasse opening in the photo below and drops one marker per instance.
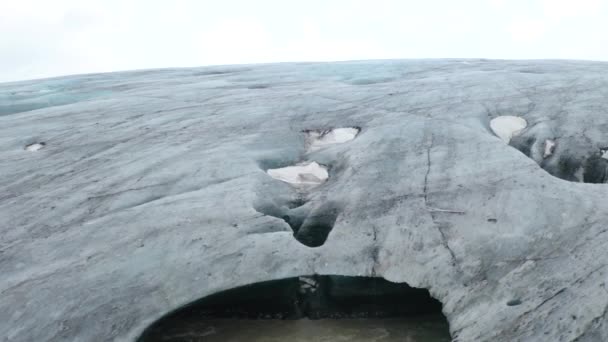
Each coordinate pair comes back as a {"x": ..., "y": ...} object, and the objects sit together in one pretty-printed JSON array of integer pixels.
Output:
[
  {"x": 308, "y": 308},
  {"x": 571, "y": 158}
]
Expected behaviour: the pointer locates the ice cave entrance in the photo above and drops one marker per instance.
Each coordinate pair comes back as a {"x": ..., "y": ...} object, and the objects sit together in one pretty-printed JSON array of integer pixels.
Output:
[{"x": 308, "y": 308}]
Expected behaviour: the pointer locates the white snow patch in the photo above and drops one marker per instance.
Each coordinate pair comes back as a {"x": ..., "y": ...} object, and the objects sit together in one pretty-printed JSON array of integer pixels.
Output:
[
  {"x": 604, "y": 154},
  {"x": 549, "y": 148},
  {"x": 311, "y": 174},
  {"x": 316, "y": 140},
  {"x": 507, "y": 126},
  {"x": 34, "y": 147}
]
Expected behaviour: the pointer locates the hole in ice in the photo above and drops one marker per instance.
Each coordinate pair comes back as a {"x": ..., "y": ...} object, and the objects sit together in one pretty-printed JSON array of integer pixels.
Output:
[
  {"x": 307, "y": 308},
  {"x": 311, "y": 174},
  {"x": 507, "y": 126},
  {"x": 35, "y": 146},
  {"x": 310, "y": 226},
  {"x": 318, "y": 139},
  {"x": 514, "y": 302},
  {"x": 315, "y": 229},
  {"x": 567, "y": 159}
]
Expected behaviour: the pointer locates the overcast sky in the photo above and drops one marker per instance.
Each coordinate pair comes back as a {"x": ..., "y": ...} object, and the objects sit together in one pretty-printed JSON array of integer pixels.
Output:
[{"x": 41, "y": 38}]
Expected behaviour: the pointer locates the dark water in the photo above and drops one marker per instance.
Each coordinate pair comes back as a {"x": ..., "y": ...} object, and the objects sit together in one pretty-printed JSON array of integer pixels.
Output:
[
  {"x": 429, "y": 328},
  {"x": 307, "y": 308}
]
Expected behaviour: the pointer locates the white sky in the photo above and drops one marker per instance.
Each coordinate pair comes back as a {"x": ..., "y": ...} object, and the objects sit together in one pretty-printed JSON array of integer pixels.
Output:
[{"x": 41, "y": 38}]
